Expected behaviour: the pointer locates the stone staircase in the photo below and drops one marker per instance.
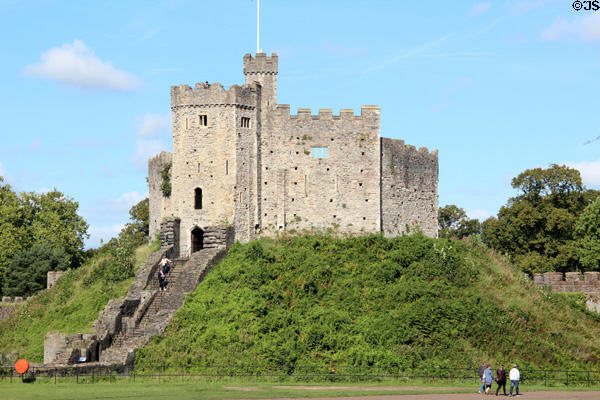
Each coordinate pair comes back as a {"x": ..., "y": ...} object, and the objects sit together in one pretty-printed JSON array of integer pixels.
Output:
[
  {"x": 153, "y": 318},
  {"x": 127, "y": 323}
]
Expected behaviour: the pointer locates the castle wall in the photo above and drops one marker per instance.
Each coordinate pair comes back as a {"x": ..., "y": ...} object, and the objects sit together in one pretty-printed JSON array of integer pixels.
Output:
[
  {"x": 159, "y": 205},
  {"x": 247, "y": 161},
  {"x": 302, "y": 192},
  {"x": 572, "y": 283},
  {"x": 205, "y": 157},
  {"x": 409, "y": 179}
]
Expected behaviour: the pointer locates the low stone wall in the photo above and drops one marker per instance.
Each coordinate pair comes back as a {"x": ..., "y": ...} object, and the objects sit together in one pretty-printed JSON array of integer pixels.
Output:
[
  {"x": 53, "y": 276},
  {"x": 66, "y": 349},
  {"x": 572, "y": 282},
  {"x": 9, "y": 305}
]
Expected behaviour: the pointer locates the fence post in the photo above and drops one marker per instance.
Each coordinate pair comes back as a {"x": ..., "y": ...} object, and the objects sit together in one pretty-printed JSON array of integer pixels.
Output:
[
  {"x": 545, "y": 378},
  {"x": 55, "y": 376},
  {"x": 77, "y": 374},
  {"x": 588, "y": 378},
  {"x": 567, "y": 378},
  {"x": 93, "y": 368},
  {"x": 11, "y": 372}
]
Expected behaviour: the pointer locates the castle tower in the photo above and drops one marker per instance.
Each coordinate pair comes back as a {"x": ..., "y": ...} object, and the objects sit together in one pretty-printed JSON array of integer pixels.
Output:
[
  {"x": 263, "y": 69},
  {"x": 213, "y": 170}
]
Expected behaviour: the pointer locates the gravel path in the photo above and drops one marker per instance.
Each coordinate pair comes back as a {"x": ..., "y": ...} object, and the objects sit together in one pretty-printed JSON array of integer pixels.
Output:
[{"x": 476, "y": 396}]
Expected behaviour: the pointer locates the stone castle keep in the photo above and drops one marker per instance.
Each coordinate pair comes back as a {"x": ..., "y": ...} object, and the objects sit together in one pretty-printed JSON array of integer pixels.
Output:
[{"x": 242, "y": 160}]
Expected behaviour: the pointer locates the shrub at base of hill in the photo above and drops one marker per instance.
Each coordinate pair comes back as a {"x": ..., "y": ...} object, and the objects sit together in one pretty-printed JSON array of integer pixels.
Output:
[
  {"x": 71, "y": 305},
  {"x": 28, "y": 270}
]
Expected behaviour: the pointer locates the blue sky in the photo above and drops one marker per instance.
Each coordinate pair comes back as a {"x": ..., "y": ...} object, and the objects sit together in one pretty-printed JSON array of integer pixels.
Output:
[{"x": 497, "y": 87}]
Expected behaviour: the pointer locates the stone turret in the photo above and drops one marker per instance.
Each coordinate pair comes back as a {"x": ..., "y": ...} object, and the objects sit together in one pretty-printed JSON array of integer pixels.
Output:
[{"x": 263, "y": 69}]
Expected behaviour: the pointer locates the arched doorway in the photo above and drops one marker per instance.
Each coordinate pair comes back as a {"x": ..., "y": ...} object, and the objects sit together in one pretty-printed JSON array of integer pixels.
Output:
[{"x": 197, "y": 239}]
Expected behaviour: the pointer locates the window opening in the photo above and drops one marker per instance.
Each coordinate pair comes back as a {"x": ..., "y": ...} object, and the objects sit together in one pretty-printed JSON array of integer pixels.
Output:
[
  {"x": 198, "y": 199},
  {"x": 226, "y": 167},
  {"x": 319, "y": 152},
  {"x": 203, "y": 120},
  {"x": 245, "y": 122}
]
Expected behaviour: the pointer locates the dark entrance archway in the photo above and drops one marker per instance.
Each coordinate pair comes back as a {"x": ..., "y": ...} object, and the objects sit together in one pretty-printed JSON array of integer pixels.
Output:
[{"x": 197, "y": 239}]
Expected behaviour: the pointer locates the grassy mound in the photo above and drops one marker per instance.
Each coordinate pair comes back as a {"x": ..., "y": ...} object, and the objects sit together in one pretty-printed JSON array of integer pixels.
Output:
[
  {"x": 370, "y": 301},
  {"x": 71, "y": 306}
]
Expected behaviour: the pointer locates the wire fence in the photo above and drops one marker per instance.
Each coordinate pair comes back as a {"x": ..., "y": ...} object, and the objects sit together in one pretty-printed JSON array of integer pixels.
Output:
[{"x": 85, "y": 374}]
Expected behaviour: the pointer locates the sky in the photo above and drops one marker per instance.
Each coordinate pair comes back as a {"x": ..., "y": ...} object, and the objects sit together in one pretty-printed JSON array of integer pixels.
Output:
[{"x": 497, "y": 87}]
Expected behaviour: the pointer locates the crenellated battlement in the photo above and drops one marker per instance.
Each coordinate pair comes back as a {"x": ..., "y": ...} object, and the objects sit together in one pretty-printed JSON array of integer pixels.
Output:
[
  {"x": 261, "y": 64},
  {"x": 214, "y": 94},
  {"x": 283, "y": 110},
  {"x": 398, "y": 146},
  {"x": 570, "y": 281}
]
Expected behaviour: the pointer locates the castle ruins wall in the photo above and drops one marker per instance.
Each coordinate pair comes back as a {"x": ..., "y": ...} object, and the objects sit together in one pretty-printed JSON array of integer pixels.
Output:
[
  {"x": 159, "y": 205},
  {"x": 571, "y": 282},
  {"x": 340, "y": 190},
  {"x": 409, "y": 179}
]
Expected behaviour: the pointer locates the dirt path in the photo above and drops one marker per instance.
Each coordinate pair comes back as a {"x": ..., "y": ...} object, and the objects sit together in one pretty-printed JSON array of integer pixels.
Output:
[{"x": 476, "y": 396}]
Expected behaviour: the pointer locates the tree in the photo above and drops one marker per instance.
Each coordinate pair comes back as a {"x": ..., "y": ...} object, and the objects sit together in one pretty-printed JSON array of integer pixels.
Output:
[
  {"x": 453, "y": 222},
  {"x": 138, "y": 230},
  {"x": 536, "y": 227},
  {"x": 587, "y": 232},
  {"x": 27, "y": 271},
  {"x": 27, "y": 219}
]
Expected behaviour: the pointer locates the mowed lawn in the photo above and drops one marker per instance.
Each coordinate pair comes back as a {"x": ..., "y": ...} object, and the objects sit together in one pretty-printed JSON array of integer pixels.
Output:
[{"x": 193, "y": 390}]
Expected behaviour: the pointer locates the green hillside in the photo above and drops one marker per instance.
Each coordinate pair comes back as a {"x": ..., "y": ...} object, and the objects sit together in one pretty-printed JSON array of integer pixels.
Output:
[
  {"x": 71, "y": 306},
  {"x": 369, "y": 301}
]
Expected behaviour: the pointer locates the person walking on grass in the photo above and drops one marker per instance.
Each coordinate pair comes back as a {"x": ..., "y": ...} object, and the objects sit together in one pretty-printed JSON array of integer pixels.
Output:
[
  {"x": 514, "y": 376},
  {"x": 482, "y": 369},
  {"x": 501, "y": 379},
  {"x": 488, "y": 378}
]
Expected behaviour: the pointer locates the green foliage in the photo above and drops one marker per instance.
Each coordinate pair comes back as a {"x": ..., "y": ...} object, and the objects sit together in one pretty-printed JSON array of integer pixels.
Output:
[
  {"x": 70, "y": 306},
  {"x": 138, "y": 230},
  {"x": 587, "y": 233},
  {"x": 453, "y": 222},
  {"x": 536, "y": 228},
  {"x": 369, "y": 301},
  {"x": 49, "y": 218},
  {"x": 165, "y": 174},
  {"x": 27, "y": 271}
]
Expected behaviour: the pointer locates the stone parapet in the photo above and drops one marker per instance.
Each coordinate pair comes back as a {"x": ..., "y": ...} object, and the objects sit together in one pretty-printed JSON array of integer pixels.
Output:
[
  {"x": 53, "y": 276},
  {"x": 572, "y": 282}
]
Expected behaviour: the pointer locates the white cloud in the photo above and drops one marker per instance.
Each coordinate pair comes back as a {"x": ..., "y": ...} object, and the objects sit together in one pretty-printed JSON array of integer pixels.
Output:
[
  {"x": 522, "y": 7},
  {"x": 479, "y": 213},
  {"x": 480, "y": 8},
  {"x": 590, "y": 171},
  {"x": 152, "y": 135},
  {"x": 584, "y": 28},
  {"x": 126, "y": 201},
  {"x": 102, "y": 233},
  {"x": 557, "y": 30},
  {"x": 152, "y": 125},
  {"x": 76, "y": 65}
]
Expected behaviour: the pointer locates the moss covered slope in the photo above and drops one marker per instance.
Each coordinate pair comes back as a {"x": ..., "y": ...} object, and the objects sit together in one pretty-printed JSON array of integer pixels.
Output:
[
  {"x": 71, "y": 306},
  {"x": 370, "y": 301}
]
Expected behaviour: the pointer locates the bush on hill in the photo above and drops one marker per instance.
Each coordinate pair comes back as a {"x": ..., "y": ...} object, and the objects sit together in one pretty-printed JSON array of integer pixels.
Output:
[{"x": 369, "y": 301}]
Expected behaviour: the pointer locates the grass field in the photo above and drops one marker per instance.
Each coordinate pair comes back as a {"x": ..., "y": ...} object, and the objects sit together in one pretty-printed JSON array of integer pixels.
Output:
[{"x": 148, "y": 390}]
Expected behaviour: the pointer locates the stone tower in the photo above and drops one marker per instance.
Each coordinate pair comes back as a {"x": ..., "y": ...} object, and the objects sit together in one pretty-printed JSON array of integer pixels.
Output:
[{"x": 242, "y": 160}]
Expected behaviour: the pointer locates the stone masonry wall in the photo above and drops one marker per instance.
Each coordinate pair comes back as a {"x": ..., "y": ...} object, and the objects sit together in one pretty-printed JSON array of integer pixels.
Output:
[
  {"x": 409, "y": 179},
  {"x": 159, "y": 205},
  {"x": 303, "y": 192},
  {"x": 572, "y": 283},
  {"x": 205, "y": 157}
]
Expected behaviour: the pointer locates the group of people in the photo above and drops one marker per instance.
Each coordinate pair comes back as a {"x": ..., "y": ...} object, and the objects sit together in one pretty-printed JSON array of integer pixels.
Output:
[
  {"x": 164, "y": 267},
  {"x": 487, "y": 377}
]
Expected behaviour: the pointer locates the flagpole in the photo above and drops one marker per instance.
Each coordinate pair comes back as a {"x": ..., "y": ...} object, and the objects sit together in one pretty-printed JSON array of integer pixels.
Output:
[{"x": 257, "y": 25}]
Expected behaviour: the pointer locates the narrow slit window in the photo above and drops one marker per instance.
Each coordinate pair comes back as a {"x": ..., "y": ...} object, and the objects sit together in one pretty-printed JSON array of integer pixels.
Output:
[
  {"x": 319, "y": 152},
  {"x": 203, "y": 120},
  {"x": 226, "y": 167},
  {"x": 245, "y": 122},
  {"x": 198, "y": 199}
]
